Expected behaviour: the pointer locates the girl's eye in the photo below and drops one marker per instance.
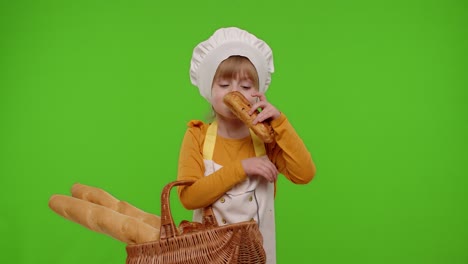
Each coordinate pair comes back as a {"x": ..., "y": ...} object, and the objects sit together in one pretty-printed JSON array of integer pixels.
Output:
[
  {"x": 223, "y": 85},
  {"x": 246, "y": 87}
]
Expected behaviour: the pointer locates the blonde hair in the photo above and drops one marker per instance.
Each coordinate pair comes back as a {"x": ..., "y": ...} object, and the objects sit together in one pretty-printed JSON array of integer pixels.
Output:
[{"x": 237, "y": 66}]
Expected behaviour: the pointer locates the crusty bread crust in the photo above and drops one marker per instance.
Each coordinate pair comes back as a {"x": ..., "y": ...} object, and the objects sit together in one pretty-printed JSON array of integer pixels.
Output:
[
  {"x": 101, "y": 197},
  {"x": 103, "y": 220},
  {"x": 240, "y": 106}
]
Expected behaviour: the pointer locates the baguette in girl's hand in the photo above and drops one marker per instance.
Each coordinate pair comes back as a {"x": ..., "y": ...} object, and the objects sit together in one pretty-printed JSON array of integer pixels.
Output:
[{"x": 240, "y": 106}]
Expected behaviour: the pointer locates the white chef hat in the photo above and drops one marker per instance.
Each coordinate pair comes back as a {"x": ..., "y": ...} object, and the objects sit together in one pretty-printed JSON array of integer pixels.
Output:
[{"x": 226, "y": 42}]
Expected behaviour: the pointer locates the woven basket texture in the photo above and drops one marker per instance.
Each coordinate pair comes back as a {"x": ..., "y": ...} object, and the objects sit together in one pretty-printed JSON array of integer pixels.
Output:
[{"x": 210, "y": 244}]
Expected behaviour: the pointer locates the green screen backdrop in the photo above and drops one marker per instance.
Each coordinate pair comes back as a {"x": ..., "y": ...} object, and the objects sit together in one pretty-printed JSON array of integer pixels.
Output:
[{"x": 98, "y": 92}]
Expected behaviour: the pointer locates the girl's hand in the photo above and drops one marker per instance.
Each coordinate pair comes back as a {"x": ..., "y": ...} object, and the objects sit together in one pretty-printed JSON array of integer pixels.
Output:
[
  {"x": 260, "y": 166},
  {"x": 268, "y": 110}
]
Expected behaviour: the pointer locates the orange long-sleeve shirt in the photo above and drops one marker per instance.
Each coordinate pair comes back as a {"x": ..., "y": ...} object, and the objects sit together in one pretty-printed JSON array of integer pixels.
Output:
[{"x": 287, "y": 152}]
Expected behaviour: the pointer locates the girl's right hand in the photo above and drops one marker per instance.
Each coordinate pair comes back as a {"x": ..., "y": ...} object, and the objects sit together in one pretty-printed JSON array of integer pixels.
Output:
[{"x": 261, "y": 167}]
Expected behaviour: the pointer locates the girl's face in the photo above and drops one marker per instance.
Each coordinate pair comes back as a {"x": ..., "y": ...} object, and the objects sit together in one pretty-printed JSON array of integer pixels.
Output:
[
  {"x": 222, "y": 86},
  {"x": 236, "y": 73}
]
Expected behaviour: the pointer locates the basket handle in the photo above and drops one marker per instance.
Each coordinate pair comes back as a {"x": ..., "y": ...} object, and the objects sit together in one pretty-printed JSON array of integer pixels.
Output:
[{"x": 168, "y": 228}]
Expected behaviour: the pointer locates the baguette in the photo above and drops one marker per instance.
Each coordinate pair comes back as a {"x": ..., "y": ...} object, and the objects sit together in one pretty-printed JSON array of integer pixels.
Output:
[
  {"x": 104, "y": 220},
  {"x": 101, "y": 197},
  {"x": 240, "y": 106}
]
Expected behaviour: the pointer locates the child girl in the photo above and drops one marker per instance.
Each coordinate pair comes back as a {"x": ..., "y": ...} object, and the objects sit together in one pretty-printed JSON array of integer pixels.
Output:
[{"x": 233, "y": 170}]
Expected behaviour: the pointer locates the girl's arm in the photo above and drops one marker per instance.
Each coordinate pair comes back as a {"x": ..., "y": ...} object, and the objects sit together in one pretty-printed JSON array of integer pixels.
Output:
[{"x": 289, "y": 153}]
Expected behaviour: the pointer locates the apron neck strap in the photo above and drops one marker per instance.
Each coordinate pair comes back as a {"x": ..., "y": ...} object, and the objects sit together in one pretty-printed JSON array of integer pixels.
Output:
[{"x": 210, "y": 140}]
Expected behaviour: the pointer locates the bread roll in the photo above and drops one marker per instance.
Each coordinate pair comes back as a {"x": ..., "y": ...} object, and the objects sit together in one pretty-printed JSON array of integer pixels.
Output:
[
  {"x": 240, "y": 106},
  {"x": 101, "y": 219},
  {"x": 101, "y": 197}
]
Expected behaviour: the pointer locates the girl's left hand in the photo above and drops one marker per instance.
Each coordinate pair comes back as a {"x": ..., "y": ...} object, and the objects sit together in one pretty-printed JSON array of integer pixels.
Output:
[{"x": 268, "y": 110}]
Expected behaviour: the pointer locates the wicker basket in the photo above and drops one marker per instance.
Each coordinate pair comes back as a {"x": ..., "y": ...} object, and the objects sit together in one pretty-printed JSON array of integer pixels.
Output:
[{"x": 199, "y": 243}]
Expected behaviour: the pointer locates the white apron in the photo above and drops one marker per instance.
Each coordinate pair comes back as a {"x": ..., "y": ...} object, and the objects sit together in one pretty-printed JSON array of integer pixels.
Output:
[{"x": 250, "y": 199}]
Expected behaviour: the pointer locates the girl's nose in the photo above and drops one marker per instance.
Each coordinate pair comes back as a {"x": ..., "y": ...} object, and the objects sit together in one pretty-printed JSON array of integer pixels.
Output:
[{"x": 235, "y": 87}]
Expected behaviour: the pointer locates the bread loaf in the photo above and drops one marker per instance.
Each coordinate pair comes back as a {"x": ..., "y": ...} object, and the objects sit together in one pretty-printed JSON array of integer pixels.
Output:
[
  {"x": 101, "y": 197},
  {"x": 98, "y": 218},
  {"x": 240, "y": 106}
]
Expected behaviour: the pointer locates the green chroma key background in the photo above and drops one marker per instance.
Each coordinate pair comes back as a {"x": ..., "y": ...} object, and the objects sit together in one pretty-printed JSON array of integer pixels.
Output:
[{"x": 98, "y": 92}]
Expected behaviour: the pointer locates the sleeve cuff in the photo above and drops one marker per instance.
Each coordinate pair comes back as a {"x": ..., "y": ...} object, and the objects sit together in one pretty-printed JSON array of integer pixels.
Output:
[{"x": 278, "y": 121}]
